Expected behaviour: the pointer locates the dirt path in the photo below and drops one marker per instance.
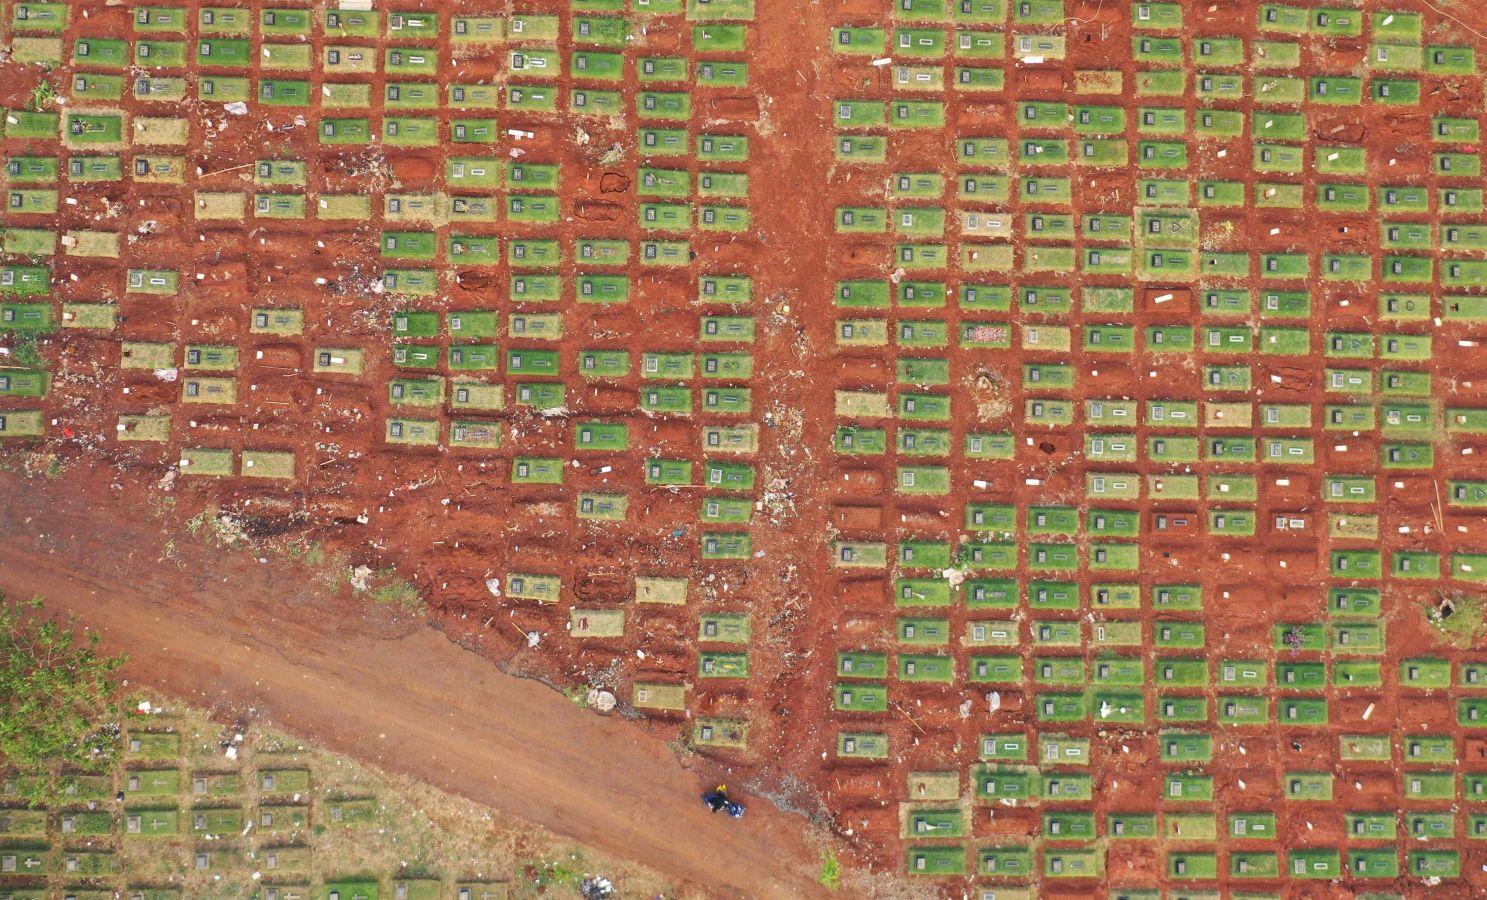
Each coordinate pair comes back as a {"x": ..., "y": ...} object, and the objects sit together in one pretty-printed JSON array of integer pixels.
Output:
[{"x": 225, "y": 631}]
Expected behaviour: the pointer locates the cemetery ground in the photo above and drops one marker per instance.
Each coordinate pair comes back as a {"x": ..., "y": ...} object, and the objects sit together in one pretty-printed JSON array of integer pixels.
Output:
[
  {"x": 1024, "y": 439},
  {"x": 268, "y": 645},
  {"x": 220, "y": 807}
]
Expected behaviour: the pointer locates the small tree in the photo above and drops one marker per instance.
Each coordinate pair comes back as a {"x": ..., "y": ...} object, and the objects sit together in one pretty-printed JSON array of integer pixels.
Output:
[{"x": 56, "y": 696}]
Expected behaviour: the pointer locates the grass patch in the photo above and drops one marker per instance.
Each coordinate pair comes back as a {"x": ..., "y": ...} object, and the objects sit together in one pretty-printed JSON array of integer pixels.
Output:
[
  {"x": 53, "y": 469},
  {"x": 831, "y": 872},
  {"x": 1459, "y": 618},
  {"x": 26, "y": 352},
  {"x": 386, "y": 588},
  {"x": 559, "y": 873},
  {"x": 309, "y": 553}
]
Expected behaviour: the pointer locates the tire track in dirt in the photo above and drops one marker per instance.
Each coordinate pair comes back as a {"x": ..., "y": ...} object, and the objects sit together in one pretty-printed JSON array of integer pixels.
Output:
[{"x": 222, "y": 630}]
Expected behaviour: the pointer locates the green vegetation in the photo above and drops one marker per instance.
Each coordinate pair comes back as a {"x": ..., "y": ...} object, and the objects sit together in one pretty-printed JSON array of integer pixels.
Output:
[
  {"x": 57, "y": 695},
  {"x": 385, "y": 587},
  {"x": 25, "y": 351},
  {"x": 1459, "y": 617},
  {"x": 43, "y": 95},
  {"x": 831, "y": 872}
]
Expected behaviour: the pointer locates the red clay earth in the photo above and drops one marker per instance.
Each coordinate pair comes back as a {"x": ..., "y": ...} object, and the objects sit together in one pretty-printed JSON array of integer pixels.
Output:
[{"x": 802, "y": 611}]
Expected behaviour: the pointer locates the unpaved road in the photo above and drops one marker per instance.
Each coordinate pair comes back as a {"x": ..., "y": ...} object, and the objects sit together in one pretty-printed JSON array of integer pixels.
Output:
[{"x": 229, "y": 633}]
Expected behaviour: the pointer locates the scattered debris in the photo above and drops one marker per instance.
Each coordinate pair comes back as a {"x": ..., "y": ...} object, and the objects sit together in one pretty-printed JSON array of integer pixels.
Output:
[{"x": 361, "y": 578}]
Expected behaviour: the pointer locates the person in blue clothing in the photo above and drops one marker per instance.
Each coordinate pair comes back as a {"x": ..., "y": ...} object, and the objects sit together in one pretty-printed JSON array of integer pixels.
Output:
[{"x": 717, "y": 801}]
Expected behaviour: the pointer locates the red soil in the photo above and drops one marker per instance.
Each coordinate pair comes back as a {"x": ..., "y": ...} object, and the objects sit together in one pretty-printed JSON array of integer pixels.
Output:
[{"x": 451, "y": 521}]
